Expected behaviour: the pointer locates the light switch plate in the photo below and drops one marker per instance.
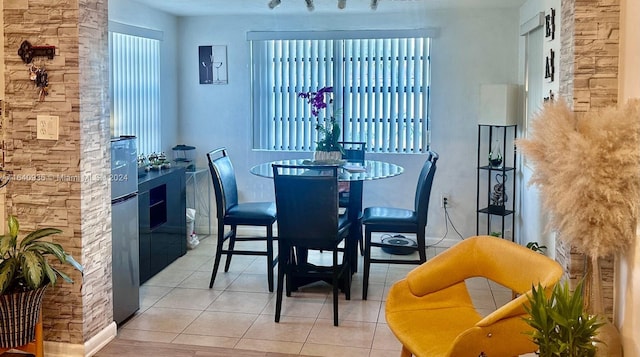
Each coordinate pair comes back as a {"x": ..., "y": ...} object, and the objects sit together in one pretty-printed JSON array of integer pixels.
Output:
[{"x": 47, "y": 127}]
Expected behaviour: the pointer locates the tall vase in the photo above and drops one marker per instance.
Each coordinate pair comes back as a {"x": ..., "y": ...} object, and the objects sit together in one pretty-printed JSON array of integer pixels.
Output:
[{"x": 609, "y": 342}]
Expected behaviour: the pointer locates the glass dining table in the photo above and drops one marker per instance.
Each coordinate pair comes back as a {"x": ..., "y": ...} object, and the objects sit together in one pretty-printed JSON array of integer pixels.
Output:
[{"x": 356, "y": 173}]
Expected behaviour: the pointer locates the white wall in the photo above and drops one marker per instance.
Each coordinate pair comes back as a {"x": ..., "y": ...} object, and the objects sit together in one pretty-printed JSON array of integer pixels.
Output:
[
  {"x": 532, "y": 223},
  {"x": 474, "y": 47},
  {"x": 627, "y": 299},
  {"x": 135, "y": 14}
]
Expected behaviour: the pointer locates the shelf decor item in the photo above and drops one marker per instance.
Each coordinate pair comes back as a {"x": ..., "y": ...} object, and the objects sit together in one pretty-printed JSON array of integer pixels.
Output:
[
  {"x": 25, "y": 273},
  {"x": 495, "y": 155},
  {"x": 328, "y": 147},
  {"x": 593, "y": 208}
]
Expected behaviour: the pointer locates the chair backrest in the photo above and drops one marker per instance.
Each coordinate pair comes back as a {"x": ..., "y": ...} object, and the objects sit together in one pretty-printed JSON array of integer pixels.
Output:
[
  {"x": 353, "y": 150},
  {"x": 224, "y": 180},
  {"x": 307, "y": 204},
  {"x": 423, "y": 189}
]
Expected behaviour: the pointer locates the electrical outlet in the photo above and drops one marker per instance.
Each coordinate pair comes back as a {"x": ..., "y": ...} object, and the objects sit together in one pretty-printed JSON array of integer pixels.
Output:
[
  {"x": 47, "y": 127},
  {"x": 445, "y": 200}
]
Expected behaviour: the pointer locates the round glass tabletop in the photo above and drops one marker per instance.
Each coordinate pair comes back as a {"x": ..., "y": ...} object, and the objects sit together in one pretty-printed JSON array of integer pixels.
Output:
[{"x": 349, "y": 171}]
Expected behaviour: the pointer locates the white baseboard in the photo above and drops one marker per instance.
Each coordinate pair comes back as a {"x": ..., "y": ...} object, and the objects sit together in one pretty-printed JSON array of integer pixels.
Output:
[{"x": 89, "y": 348}]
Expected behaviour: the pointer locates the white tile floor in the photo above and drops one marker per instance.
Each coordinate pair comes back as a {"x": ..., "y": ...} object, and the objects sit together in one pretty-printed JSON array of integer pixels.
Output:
[{"x": 177, "y": 306}]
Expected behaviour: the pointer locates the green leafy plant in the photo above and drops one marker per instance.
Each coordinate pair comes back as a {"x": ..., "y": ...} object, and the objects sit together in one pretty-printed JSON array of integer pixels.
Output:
[
  {"x": 330, "y": 136},
  {"x": 23, "y": 263},
  {"x": 536, "y": 247},
  {"x": 329, "y": 133},
  {"x": 561, "y": 326},
  {"x": 496, "y": 234}
]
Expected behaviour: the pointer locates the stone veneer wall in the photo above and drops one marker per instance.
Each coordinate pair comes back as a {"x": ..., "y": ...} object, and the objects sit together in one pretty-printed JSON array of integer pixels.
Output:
[
  {"x": 589, "y": 81},
  {"x": 95, "y": 162},
  {"x": 51, "y": 186}
]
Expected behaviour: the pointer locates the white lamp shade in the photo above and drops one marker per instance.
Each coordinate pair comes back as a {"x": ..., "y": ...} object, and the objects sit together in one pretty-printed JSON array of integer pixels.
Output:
[{"x": 498, "y": 104}]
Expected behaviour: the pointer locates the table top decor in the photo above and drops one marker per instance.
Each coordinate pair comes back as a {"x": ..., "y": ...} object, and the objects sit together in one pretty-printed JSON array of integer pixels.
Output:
[{"x": 329, "y": 131}]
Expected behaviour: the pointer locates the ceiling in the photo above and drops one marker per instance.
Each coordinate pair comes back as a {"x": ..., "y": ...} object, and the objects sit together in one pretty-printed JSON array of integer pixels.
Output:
[{"x": 228, "y": 7}]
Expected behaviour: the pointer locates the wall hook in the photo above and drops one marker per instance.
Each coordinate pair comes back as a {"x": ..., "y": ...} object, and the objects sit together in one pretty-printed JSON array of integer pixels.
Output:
[{"x": 27, "y": 51}]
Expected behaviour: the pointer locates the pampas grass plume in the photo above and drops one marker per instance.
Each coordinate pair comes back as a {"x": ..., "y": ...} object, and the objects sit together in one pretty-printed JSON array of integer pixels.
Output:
[{"x": 587, "y": 168}]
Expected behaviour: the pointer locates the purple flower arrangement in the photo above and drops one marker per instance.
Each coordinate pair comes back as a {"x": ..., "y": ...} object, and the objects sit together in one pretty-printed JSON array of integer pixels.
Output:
[
  {"x": 316, "y": 99},
  {"x": 331, "y": 132}
]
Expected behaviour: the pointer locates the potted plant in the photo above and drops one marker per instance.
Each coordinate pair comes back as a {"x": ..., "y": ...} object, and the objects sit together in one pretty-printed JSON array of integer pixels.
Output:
[
  {"x": 561, "y": 327},
  {"x": 25, "y": 273},
  {"x": 592, "y": 208},
  {"x": 536, "y": 247},
  {"x": 328, "y": 147}
]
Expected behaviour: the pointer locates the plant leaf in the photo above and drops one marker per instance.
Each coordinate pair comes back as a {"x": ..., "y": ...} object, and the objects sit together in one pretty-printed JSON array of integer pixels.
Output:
[
  {"x": 31, "y": 268},
  {"x": 8, "y": 269},
  {"x": 48, "y": 248},
  {"x": 63, "y": 275},
  {"x": 73, "y": 262},
  {"x": 35, "y": 235},
  {"x": 14, "y": 226},
  {"x": 5, "y": 245},
  {"x": 50, "y": 272}
]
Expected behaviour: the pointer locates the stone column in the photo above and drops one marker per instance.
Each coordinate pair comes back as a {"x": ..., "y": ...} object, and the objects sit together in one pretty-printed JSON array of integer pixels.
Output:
[
  {"x": 61, "y": 183},
  {"x": 589, "y": 81}
]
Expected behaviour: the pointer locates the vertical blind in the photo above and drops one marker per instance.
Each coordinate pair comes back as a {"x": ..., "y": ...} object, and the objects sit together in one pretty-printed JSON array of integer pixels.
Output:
[
  {"x": 135, "y": 86},
  {"x": 381, "y": 91}
]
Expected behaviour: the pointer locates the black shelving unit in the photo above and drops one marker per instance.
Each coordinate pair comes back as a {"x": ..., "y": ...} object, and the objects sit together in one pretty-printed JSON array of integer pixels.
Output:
[{"x": 493, "y": 208}]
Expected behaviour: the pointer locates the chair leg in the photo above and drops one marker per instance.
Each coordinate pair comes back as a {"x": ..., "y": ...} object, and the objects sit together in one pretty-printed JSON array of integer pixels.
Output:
[
  {"x": 290, "y": 254},
  {"x": 360, "y": 238},
  {"x": 422, "y": 249},
  {"x": 405, "y": 352},
  {"x": 216, "y": 262},
  {"x": 367, "y": 263},
  {"x": 232, "y": 244},
  {"x": 346, "y": 274},
  {"x": 335, "y": 282},
  {"x": 282, "y": 264},
  {"x": 270, "y": 257}
]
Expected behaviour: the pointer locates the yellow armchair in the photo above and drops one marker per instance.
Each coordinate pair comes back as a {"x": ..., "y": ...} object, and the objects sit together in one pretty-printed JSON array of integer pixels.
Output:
[{"x": 431, "y": 312}]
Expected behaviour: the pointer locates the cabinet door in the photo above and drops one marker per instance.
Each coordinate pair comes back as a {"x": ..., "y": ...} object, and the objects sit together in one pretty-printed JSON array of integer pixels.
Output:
[
  {"x": 177, "y": 215},
  {"x": 145, "y": 236}
]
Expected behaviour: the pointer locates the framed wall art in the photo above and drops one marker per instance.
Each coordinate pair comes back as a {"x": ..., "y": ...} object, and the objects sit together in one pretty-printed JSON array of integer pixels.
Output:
[{"x": 213, "y": 64}]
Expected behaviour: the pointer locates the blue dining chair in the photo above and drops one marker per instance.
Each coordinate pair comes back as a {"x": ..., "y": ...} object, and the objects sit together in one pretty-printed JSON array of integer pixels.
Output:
[
  {"x": 232, "y": 213},
  {"x": 400, "y": 220},
  {"x": 307, "y": 204},
  {"x": 353, "y": 151}
]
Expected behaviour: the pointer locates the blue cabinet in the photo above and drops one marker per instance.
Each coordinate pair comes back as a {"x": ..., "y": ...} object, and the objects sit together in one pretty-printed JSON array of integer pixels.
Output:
[{"x": 163, "y": 221}]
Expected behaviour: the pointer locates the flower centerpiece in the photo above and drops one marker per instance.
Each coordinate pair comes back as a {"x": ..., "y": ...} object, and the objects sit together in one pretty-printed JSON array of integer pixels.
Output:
[{"x": 328, "y": 147}]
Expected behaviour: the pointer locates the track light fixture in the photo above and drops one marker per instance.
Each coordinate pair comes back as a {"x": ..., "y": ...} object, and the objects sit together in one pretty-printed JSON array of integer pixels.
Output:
[
  {"x": 273, "y": 4},
  {"x": 341, "y": 4},
  {"x": 310, "y": 6}
]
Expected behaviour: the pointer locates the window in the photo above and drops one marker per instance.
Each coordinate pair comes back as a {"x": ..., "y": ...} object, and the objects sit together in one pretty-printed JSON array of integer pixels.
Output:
[
  {"x": 380, "y": 80},
  {"x": 135, "y": 85}
]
